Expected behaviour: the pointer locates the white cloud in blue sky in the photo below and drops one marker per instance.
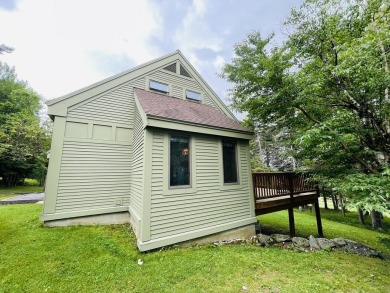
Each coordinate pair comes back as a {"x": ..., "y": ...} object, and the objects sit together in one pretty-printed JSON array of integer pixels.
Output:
[{"x": 63, "y": 45}]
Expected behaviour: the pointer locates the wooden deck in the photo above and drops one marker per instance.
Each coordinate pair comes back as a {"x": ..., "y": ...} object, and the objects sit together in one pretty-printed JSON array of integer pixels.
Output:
[{"x": 283, "y": 191}]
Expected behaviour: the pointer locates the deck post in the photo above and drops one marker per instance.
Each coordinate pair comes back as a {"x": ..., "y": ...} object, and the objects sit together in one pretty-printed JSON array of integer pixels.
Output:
[
  {"x": 318, "y": 217},
  {"x": 291, "y": 221}
]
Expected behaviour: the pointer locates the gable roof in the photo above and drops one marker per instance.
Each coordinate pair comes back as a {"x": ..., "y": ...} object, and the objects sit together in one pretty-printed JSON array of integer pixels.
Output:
[
  {"x": 59, "y": 106},
  {"x": 170, "y": 108}
]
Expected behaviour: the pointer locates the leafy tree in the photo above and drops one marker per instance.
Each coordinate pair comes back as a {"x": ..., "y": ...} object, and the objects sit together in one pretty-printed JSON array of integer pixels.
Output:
[
  {"x": 5, "y": 49},
  {"x": 327, "y": 86},
  {"x": 23, "y": 143}
]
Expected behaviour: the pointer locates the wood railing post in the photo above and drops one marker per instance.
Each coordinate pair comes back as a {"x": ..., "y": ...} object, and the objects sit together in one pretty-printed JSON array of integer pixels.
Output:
[{"x": 291, "y": 184}]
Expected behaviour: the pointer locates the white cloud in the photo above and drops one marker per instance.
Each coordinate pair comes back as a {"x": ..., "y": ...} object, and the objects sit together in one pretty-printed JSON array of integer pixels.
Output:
[
  {"x": 53, "y": 40},
  {"x": 218, "y": 63},
  {"x": 195, "y": 33}
]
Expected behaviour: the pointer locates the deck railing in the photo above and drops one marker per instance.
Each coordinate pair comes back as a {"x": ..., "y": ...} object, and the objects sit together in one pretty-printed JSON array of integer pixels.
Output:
[{"x": 267, "y": 185}]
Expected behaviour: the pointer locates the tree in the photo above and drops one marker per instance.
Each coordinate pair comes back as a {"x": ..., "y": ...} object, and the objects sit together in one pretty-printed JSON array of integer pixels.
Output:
[
  {"x": 5, "y": 49},
  {"x": 22, "y": 141},
  {"x": 327, "y": 85}
]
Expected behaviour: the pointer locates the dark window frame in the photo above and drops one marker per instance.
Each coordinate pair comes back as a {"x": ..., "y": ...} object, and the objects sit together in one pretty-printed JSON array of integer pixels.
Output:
[
  {"x": 237, "y": 182},
  {"x": 188, "y": 137}
]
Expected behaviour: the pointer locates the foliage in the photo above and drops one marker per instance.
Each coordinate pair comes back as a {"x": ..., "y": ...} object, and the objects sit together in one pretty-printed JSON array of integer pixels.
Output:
[
  {"x": 258, "y": 166},
  {"x": 105, "y": 259},
  {"x": 23, "y": 143},
  {"x": 370, "y": 192},
  {"x": 327, "y": 87},
  {"x": 5, "y": 49}
]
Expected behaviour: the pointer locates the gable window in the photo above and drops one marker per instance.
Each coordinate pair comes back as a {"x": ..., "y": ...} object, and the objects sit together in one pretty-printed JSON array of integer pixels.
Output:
[
  {"x": 229, "y": 156},
  {"x": 158, "y": 86},
  {"x": 193, "y": 95},
  {"x": 179, "y": 160}
]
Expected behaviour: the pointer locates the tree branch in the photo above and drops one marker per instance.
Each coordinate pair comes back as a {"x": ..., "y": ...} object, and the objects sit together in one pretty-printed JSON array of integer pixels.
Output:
[{"x": 344, "y": 145}]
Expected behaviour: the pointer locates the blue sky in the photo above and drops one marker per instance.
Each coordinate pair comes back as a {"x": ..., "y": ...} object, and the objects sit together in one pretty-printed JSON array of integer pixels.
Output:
[{"x": 63, "y": 45}]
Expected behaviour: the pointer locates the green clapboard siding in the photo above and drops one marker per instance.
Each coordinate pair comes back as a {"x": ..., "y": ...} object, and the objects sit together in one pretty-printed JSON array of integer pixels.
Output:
[
  {"x": 116, "y": 106},
  {"x": 209, "y": 205},
  {"x": 93, "y": 176},
  {"x": 137, "y": 163}
]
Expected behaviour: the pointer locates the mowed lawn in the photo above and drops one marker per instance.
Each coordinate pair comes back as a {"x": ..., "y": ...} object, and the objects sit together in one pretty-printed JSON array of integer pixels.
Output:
[
  {"x": 7, "y": 192},
  {"x": 104, "y": 259}
]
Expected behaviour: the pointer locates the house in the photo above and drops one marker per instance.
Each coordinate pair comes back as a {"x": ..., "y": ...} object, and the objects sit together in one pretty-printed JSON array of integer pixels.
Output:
[{"x": 153, "y": 146}]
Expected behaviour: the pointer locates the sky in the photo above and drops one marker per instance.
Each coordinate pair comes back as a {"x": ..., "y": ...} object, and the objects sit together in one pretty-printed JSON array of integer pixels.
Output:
[{"x": 64, "y": 45}]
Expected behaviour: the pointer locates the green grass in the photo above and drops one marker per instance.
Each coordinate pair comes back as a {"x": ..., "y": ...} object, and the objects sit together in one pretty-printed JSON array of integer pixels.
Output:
[
  {"x": 104, "y": 259},
  {"x": 30, "y": 186}
]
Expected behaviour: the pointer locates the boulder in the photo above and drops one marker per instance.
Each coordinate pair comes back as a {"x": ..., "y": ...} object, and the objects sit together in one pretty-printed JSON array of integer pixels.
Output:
[
  {"x": 264, "y": 240},
  {"x": 280, "y": 238},
  {"x": 313, "y": 243},
  {"x": 361, "y": 249},
  {"x": 325, "y": 243},
  {"x": 300, "y": 242},
  {"x": 339, "y": 241}
]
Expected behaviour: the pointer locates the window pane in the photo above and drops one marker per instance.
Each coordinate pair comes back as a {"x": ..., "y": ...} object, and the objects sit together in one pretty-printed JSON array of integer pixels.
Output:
[
  {"x": 193, "y": 95},
  {"x": 158, "y": 86},
  {"x": 229, "y": 162},
  {"x": 179, "y": 161}
]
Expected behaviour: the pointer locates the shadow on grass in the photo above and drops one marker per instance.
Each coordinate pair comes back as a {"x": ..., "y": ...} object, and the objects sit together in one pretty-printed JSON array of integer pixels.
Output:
[{"x": 385, "y": 241}]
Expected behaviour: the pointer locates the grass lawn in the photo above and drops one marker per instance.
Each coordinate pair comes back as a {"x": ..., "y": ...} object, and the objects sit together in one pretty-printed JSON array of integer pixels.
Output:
[
  {"x": 334, "y": 225},
  {"x": 104, "y": 259},
  {"x": 30, "y": 186}
]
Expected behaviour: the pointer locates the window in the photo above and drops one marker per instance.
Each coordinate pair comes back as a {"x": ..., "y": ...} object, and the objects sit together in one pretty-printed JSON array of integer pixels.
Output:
[
  {"x": 158, "y": 86},
  {"x": 229, "y": 161},
  {"x": 193, "y": 95},
  {"x": 179, "y": 160}
]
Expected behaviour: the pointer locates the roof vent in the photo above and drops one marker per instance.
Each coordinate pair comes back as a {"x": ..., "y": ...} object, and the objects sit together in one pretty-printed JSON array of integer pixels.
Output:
[
  {"x": 184, "y": 72},
  {"x": 171, "y": 68}
]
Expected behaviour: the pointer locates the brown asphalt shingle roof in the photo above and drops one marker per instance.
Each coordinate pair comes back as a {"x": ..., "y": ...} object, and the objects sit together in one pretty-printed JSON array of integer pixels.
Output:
[{"x": 162, "y": 106}]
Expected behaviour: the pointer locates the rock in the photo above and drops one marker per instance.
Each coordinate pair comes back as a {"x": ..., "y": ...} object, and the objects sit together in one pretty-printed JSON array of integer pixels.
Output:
[
  {"x": 280, "y": 238},
  {"x": 339, "y": 241},
  {"x": 251, "y": 240},
  {"x": 361, "y": 249},
  {"x": 313, "y": 243},
  {"x": 300, "y": 242},
  {"x": 325, "y": 243},
  {"x": 264, "y": 240}
]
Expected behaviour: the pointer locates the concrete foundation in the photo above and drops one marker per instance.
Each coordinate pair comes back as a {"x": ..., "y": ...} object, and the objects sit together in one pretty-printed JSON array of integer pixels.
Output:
[
  {"x": 104, "y": 219},
  {"x": 245, "y": 232}
]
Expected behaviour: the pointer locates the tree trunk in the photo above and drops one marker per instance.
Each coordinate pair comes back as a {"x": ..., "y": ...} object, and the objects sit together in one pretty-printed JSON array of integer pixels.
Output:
[
  {"x": 361, "y": 216},
  {"x": 343, "y": 210},
  {"x": 335, "y": 203},
  {"x": 325, "y": 202},
  {"x": 10, "y": 180},
  {"x": 376, "y": 220}
]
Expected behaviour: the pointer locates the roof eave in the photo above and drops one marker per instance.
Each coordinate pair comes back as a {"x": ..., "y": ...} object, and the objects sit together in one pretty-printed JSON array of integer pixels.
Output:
[{"x": 159, "y": 122}]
